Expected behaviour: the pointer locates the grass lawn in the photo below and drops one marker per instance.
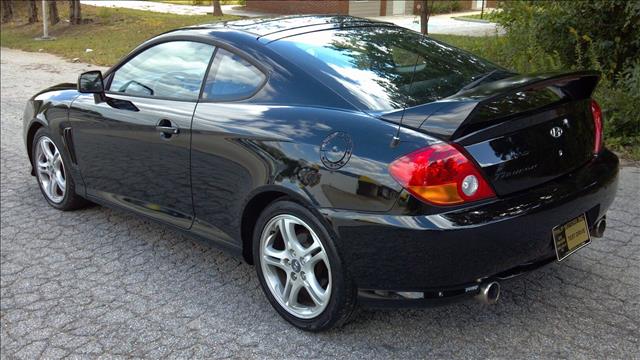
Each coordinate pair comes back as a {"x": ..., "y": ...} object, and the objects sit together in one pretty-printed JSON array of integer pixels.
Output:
[
  {"x": 487, "y": 47},
  {"x": 474, "y": 44},
  {"x": 111, "y": 33}
]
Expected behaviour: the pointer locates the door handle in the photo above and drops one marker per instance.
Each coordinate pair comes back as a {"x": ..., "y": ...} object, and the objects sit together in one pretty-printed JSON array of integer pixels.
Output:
[{"x": 167, "y": 129}]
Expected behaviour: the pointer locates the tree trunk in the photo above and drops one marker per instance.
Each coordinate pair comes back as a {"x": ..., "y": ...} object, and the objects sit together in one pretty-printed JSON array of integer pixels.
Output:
[
  {"x": 425, "y": 14},
  {"x": 7, "y": 11},
  {"x": 217, "y": 10},
  {"x": 54, "y": 18},
  {"x": 33, "y": 12},
  {"x": 78, "y": 12},
  {"x": 75, "y": 17},
  {"x": 71, "y": 11}
]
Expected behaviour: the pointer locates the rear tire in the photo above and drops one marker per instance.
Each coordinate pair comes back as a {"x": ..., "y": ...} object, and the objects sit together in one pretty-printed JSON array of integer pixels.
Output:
[
  {"x": 299, "y": 268},
  {"x": 49, "y": 164}
]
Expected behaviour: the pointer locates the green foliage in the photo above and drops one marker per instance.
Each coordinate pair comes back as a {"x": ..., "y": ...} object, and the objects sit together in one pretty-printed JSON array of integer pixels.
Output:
[
  {"x": 603, "y": 35},
  {"x": 609, "y": 29},
  {"x": 445, "y": 6},
  {"x": 620, "y": 101},
  {"x": 506, "y": 52}
]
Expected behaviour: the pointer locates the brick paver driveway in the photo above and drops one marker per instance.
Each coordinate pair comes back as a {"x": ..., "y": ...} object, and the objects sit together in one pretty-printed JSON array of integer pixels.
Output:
[{"x": 99, "y": 281}]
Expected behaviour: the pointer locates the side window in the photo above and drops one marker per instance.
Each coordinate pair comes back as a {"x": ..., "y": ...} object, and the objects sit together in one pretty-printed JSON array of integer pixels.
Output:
[
  {"x": 173, "y": 69},
  {"x": 231, "y": 78}
]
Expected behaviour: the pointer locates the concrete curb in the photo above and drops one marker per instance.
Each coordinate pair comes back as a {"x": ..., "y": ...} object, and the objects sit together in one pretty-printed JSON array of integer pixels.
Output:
[{"x": 472, "y": 20}]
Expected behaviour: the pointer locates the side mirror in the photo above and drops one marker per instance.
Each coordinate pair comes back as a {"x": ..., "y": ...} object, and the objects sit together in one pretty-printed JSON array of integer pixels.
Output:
[{"x": 90, "y": 82}]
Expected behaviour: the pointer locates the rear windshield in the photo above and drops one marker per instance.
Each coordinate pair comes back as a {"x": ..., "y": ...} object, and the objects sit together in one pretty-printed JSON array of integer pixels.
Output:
[{"x": 375, "y": 64}]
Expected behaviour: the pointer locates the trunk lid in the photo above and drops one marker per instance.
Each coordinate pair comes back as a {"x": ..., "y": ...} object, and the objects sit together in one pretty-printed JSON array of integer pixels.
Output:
[{"x": 522, "y": 131}]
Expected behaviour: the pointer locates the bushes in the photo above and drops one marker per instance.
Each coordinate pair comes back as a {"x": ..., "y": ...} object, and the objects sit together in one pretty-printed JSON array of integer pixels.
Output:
[
  {"x": 603, "y": 35},
  {"x": 608, "y": 28},
  {"x": 443, "y": 7},
  {"x": 439, "y": 6},
  {"x": 620, "y": 101}
]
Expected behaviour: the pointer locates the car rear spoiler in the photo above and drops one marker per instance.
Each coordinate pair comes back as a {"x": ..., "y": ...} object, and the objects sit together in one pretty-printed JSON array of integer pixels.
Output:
[{"x": 460, "y": 114}]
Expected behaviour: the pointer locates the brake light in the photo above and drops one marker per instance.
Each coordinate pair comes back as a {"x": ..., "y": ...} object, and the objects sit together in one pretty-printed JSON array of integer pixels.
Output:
[
  {"x": 442, "y": 175},
  {"x": 597, "y": 122}
]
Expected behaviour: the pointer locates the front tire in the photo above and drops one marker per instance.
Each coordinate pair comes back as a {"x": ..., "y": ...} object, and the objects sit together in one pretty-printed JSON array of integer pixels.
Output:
[
  {"x": 299, "y": 268},
  {"x": 55, "y": 183}
]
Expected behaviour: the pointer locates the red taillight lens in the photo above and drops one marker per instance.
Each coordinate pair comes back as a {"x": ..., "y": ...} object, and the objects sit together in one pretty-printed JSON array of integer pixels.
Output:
[
  {"x": 441, "y": 175},
  {"x": 597, "y": 122}
]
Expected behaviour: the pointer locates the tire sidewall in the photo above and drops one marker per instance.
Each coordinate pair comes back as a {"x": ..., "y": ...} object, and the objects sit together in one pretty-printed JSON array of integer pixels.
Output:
[
  {"x": 342, "y": 291},
  {"x": 69, "y": 191}
]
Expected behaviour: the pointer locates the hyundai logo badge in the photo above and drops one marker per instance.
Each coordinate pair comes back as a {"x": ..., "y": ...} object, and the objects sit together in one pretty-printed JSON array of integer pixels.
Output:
[{"x": 556, "y": 132}]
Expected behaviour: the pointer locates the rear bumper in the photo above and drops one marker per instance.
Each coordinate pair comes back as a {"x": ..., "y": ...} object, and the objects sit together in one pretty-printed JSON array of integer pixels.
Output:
[{"x": 451, "y": 251}]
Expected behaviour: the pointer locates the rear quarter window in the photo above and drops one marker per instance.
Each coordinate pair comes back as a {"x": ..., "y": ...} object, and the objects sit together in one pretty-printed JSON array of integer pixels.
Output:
[{"x": 231, "y": 78}]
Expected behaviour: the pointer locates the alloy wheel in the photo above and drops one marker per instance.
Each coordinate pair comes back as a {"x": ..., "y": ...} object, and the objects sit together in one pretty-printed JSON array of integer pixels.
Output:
[
  {"x": 295, "y": 266},
  {"x": 50, "y": 170}
]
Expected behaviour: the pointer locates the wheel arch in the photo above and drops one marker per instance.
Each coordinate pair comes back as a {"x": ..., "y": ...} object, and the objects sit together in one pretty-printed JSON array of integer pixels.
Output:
[
  {"x": 31, "y": 133},
  {"x": 257, "y": 201}
]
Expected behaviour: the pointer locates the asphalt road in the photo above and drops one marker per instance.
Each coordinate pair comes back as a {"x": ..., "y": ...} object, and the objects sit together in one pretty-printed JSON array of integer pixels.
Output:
[{"x": 103, "y": 282}]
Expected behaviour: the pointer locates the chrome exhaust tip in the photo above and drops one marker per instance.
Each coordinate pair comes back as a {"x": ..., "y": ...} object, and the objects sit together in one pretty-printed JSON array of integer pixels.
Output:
[
  {"x": 599, "y": 228},
  {"x": 489, "y": 293}
]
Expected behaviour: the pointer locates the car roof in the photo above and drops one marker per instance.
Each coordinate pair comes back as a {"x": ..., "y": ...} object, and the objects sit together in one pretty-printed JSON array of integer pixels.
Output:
[{"x": 274, "y": 28}]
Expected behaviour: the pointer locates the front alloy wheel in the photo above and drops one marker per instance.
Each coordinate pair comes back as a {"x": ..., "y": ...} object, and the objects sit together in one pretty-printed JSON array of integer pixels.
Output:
[
  {"x": 50, "y": 170},
  {"x": 54, "y": 179}
]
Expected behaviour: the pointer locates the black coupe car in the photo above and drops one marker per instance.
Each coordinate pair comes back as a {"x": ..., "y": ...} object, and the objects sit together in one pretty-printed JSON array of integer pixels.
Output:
[{"x": 348, "y": 160}]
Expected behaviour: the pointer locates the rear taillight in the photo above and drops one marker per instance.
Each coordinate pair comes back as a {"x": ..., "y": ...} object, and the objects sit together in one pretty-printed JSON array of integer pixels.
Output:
[
  {"x": 597, "y": 122},
  {"x": 442, "y": 175}
]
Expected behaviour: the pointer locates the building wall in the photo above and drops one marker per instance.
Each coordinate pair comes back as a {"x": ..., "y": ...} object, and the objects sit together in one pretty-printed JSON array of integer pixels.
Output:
[
  {"x": 299, "y": 6},
  {"x": 487, "y": 4},
  {"x": 364, "y": 8},
  {"x": 388, "y": 8}
]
